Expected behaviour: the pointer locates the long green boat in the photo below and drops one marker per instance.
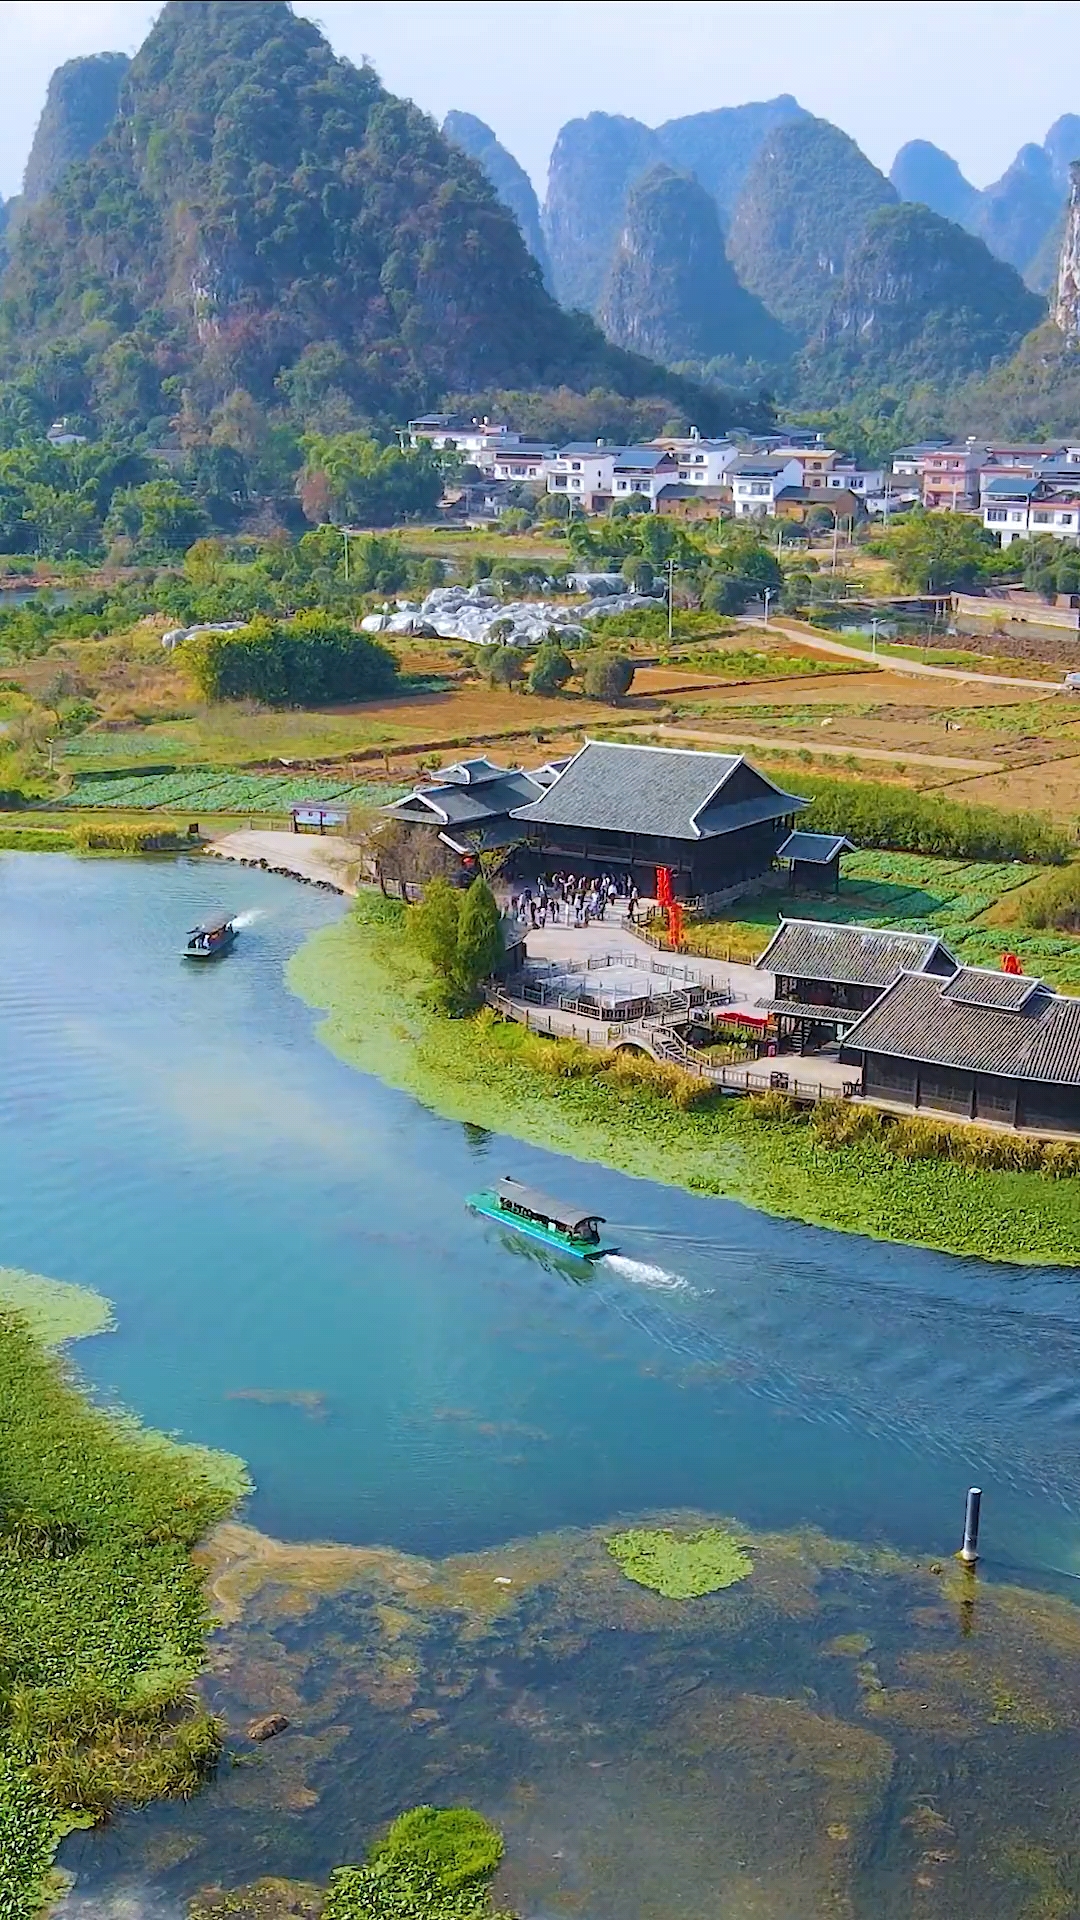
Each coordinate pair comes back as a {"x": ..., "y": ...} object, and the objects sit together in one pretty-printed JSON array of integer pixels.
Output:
[{"x": 569, "y": 1228}]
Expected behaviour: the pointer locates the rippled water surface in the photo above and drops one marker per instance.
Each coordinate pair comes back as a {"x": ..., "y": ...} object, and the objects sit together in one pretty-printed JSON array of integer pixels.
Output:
[{"x": 296, "y": 1278}]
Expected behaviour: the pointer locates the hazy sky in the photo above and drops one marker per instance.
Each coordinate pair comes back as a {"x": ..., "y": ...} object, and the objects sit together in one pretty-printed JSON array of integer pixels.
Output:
[{"x": 979, "y": 77}]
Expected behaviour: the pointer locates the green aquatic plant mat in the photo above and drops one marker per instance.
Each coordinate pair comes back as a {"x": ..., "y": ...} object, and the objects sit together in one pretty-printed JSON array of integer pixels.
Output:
[
  {"x": 680, "y": 1566},
  {"x": 54, "y": 1310}
]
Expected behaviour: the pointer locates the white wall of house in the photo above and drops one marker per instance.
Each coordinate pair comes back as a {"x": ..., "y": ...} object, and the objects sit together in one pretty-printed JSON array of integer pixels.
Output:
[
  {"x": 754, "y": 491},
  {"x": 1028, "y": 520}
]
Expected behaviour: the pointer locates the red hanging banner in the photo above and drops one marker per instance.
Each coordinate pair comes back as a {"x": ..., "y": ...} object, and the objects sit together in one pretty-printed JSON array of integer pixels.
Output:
[
  {"x": 664, "y": 894},
  {"x": 674, "y": 921},
  {"x": 1010, "y": 963}
]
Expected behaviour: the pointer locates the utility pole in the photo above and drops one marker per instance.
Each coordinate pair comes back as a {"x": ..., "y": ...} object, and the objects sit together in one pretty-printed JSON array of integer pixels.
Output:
[
  {"x": 835, "y": 541},
  {"x": 767, "y": 594},
  {"x": 670, "y": 598},
  {"x": 345, "y": 537},
  {"x": 873, "y": 635}
]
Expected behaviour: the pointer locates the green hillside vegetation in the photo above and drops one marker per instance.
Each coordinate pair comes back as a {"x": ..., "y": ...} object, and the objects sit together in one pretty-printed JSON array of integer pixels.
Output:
[
  {"x": 893, "y": 818},
  {"x": 265, "y": 220},
  {"x": 801, "y": 214},
  {"x": 920, "y": 301},
  {"x": 1034, "y": 396}
]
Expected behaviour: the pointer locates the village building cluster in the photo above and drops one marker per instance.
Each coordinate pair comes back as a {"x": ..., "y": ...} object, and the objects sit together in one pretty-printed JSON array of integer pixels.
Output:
[{"x": 1020, "y": 489}]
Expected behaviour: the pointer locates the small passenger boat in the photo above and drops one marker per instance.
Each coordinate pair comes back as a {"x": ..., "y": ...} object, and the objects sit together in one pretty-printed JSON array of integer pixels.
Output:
[
  {"x": 211, "y": 938},
  {"x": 569, "y": 1228}
]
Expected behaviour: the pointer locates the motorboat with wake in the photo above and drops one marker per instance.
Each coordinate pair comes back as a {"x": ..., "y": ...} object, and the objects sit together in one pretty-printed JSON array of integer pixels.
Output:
[{"x": 570, "y": 1228}]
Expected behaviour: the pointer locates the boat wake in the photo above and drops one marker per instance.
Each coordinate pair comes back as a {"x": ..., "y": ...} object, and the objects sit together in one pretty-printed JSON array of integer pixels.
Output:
[
  {"x": 249, "y": 918},
  {"x": 641, "y": 1274}
]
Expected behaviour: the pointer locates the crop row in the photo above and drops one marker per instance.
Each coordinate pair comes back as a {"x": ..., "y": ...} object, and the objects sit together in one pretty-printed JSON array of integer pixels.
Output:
[{"x": 214, "y": 792}]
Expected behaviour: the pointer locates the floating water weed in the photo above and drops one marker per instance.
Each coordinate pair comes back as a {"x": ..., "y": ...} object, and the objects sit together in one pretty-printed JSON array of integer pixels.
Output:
[{"x": 680, "y": 1566}]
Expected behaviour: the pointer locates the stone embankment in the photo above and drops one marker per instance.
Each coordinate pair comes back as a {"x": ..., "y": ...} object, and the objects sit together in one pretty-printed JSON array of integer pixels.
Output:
[{"x": 320, "y": 860}]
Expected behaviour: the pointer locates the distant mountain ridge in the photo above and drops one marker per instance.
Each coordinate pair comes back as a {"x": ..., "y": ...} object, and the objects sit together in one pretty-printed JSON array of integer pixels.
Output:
[
  {"x": 265, "y": 218},
  {"x": 672, "y": 293},
  {"x": 1019, "y": 216}
]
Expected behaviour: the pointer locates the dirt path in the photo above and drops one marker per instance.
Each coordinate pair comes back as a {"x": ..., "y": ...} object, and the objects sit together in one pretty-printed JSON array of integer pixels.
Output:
[
  {"x": 810, "y": 637},
  {"x": 796, "y": 744},
  {"x": 307, "y": 856}
]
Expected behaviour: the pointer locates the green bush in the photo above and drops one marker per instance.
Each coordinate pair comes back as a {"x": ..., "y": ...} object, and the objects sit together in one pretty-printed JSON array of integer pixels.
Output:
[
  {"x": 1053, "y": 900},
  {"x": 434, "y": 1864},
  {"x": 607, "y": 676},
  {"x": 455, "y": 1844},
  {"x": 896, "y": 819},
  {"x": 310, "y": 661}
]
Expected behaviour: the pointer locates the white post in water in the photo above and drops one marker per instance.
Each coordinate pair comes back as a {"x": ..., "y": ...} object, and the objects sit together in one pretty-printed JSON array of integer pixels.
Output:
[{"x": 969, "y": 1552}]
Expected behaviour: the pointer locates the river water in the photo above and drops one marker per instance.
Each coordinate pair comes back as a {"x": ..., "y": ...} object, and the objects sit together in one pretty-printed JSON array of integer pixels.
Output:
[{"x": 296, "y": 1278}]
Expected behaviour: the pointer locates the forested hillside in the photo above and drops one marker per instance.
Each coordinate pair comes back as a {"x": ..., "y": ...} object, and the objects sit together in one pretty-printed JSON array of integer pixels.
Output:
[{"x": 265, "y": 219}]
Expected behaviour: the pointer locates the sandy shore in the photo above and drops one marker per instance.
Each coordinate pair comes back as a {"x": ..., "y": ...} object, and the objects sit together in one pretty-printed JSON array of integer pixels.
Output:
[{"x": 309, "y": 856}]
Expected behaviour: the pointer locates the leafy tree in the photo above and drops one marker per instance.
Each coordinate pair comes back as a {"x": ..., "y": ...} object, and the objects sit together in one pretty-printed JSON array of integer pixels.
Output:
[
  {"x": 607, "y": 676},
  {"x": 479, "y": 941},
  {"x": 939, "y": 552},
  {"x": 640, "y": 575},
  {"x": 504, "y": 666},
  {"x": 159, "y": 518},
  {"x": 551, "y": 669},
  {"x": 369, "y": 483},
  {"x": 434, "y": 924}
]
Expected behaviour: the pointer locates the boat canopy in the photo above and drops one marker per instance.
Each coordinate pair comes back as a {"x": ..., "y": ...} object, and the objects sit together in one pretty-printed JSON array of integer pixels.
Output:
[
  {"x": 540, "y": 1206},
  {"x": 216, "y": 924}
]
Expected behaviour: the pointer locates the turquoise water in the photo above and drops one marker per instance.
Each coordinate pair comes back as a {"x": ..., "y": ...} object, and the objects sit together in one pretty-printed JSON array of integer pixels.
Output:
[{"x": 296, "y": 1279}]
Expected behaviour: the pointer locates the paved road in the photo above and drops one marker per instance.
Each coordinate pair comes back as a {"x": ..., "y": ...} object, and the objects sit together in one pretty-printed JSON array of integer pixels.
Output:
[{"x": 810, "y": 637}]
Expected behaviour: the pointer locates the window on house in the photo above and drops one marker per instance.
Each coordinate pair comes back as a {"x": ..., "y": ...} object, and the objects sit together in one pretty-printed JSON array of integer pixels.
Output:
[
  {"x": 1016, "y": 516},
  {"x": 560, "y": 479},
  {"x": 1042, "y": 519},
  {"x": 577, "y": 466},
  {"x": 995, "y": 515},
  {"x": 575, "y": 483},
  {"x": 1066, "y": 519}
]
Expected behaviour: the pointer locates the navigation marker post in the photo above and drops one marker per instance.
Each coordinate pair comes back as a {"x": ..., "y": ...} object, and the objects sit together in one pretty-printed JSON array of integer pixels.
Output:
[{"x": 969, "y": 1552}]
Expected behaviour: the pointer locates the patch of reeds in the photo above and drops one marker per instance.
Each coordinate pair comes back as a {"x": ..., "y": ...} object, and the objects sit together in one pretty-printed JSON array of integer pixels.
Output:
[
  {"x": 838, "y": 1123},
  {"x": 628, "y": 1071}
]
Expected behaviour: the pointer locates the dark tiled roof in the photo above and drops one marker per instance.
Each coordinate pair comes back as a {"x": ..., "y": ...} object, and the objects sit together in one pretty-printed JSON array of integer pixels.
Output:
[
  {"x": 455, "y": 804},
  {"x": 917, "y": 1019},
  {"x": 850, "y": 956},
  {"x": 664, "y": 791},
  {"x": 817, "y": 848},
  {"x": 983, "y": 987}
]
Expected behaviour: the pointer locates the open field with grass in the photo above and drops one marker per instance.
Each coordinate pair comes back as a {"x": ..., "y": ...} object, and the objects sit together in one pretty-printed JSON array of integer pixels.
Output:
[{"x": 960, "y": 900}]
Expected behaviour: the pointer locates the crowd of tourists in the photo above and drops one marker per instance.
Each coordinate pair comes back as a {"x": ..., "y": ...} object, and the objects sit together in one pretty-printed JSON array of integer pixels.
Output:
[{"x": 575, "y": 900}]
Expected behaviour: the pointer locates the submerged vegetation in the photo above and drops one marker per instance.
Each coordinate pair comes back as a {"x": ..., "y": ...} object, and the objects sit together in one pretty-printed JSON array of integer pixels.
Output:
[
  {"x": 680, "y": 1566},
  {"x": 377, "y": 990},
  {"x": 102, "y": 1620}
]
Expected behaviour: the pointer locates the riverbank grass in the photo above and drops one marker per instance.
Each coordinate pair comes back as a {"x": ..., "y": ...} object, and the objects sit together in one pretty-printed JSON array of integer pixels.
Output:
[
  {"x": 102, "y": 1616},
  {"x": 377, "y": 993}
]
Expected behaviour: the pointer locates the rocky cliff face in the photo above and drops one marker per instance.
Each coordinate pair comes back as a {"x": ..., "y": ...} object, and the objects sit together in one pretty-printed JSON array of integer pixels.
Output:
[
  {"x": 593, "y": 165},
  {"x": 922, "y": 172},
  {"x": 805, "y": 203},
  {"x": 510, "y": 181},
  {"x": 672, "y": 292},
  {"x": 1067, "y": 292},
  {"x": 920, "y": 301},
  {"x": 80, "y": 107}
]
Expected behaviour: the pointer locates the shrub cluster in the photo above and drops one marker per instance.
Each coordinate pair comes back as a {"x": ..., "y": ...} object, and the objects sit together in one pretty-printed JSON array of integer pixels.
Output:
[
  {"x": 310, "y": 661},
  {"x": 899, "y": 821},
  {"x": 626, "y": 1072},
  {"x": 434, "y": 1861}
]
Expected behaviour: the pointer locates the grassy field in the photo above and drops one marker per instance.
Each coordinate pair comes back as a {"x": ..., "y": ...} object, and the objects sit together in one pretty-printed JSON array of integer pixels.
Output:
[
  {"x": 912, "y": 892},
  {"x": 374, "y": 988}
]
